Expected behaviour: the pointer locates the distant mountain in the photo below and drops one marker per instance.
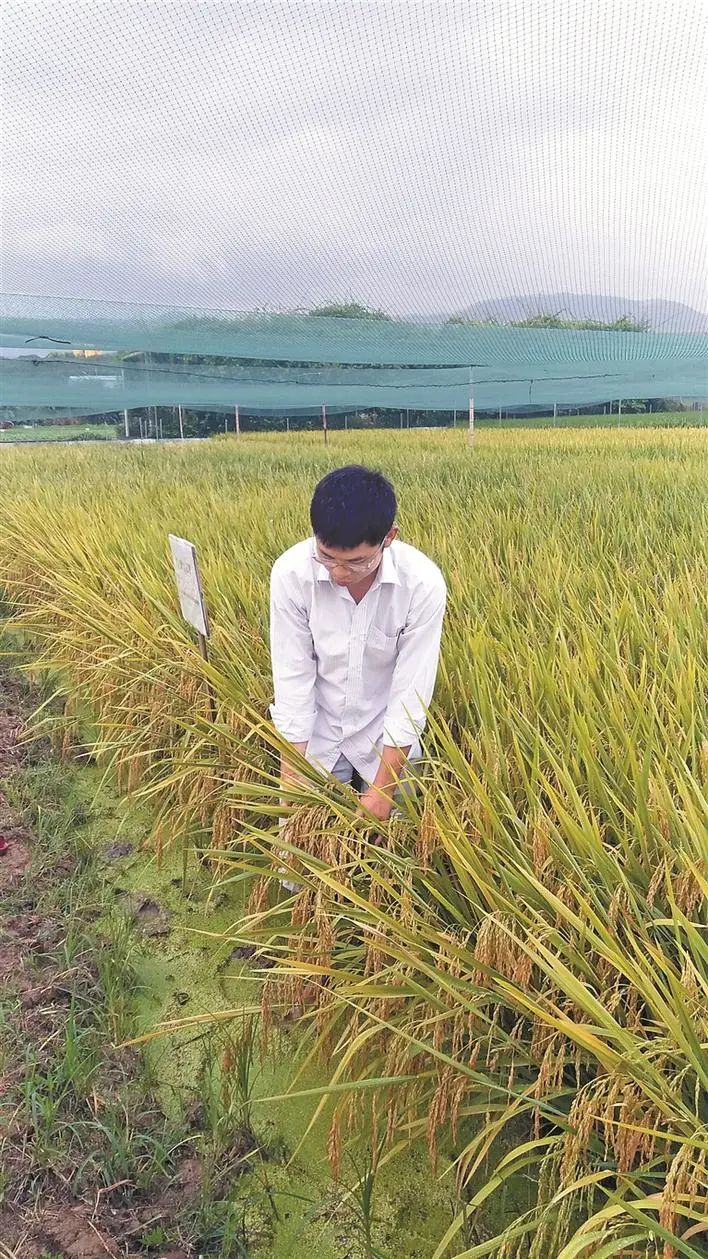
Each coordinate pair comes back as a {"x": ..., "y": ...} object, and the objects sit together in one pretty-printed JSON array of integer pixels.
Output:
[{"x": 662, "y": 316}]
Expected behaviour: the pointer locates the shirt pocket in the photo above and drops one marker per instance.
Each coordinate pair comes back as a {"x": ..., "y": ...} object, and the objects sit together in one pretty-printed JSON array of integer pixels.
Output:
[{"x": 382, "y": 647}]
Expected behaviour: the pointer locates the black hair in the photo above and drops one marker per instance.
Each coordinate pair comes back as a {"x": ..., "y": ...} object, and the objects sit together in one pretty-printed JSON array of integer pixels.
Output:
[{"x": 352, "y": 505}]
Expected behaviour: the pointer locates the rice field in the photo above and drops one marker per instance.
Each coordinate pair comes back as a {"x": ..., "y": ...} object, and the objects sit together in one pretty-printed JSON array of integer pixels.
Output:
[{"x": 519, "y": 978}]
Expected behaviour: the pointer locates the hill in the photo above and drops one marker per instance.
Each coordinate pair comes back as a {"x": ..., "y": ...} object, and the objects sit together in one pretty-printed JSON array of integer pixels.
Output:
[{"x": 661, "y": 316}]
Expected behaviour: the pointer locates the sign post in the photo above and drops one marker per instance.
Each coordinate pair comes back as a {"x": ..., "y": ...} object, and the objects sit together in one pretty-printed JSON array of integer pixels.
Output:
[{"x": 191, "y": 599}]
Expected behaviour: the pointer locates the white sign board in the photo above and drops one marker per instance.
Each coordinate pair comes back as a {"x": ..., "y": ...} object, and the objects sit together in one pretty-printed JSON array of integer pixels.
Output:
[{"x": 189, "y": 586}]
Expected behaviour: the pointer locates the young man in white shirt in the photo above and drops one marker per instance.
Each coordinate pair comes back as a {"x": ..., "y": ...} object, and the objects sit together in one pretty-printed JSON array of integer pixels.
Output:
[{"x": 355, "y": 622}]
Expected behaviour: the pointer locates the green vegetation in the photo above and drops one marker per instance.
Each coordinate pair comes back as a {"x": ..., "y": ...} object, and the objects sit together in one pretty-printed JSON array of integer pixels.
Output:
[
  {"x": 57, "y": 433},
  {"x": 546, "y": 320},
  {"x": 348, "y": 310}
]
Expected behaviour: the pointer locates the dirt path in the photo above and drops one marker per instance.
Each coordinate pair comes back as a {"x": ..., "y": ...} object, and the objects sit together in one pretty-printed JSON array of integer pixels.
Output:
[
  {"x": 14, "y": 840},
  {"x": 46, "y": 1213}
]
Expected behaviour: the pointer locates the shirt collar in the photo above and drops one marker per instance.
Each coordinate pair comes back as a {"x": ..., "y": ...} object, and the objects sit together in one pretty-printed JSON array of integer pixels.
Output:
[{"x": 388, "y": 570}]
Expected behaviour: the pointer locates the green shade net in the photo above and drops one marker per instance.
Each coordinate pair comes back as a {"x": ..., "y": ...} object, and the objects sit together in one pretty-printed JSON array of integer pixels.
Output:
[{"x": 300, "y": 362}]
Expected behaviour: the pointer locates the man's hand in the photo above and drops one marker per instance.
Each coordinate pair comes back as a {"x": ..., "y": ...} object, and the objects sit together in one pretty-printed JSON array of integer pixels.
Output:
[
  {"x": 377, "y": 800},
  {"x": 375, "y": 803}
]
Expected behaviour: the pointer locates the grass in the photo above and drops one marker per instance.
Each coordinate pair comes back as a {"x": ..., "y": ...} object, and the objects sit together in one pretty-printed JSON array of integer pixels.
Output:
[
  {"x": 520, "y": 977},
  {"x": 57, "y": 433}
]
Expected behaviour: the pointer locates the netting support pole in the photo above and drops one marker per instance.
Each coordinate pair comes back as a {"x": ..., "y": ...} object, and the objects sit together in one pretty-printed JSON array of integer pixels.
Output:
[
  {"x": 619, "y": 412},
  {"x": 346, "y": 422},
  {"x": 401, "y": 419},
  {"x": 180, "y": 419},
  {"x": 287, "y": 424},
  {"x": 454, "y": 419},
  {"x": 237, "y": 419},
  {"x": 555, "y": 412},
  {"x": 126, "y": 423},
  {"x": 470, "y": 430},
  {"x": 324, "y": 422},
  {"x": 408, "y": 418}
]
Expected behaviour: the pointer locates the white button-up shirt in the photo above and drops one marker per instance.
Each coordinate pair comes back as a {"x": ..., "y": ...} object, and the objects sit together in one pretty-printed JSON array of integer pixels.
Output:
[{"x": 349, "y": 677}]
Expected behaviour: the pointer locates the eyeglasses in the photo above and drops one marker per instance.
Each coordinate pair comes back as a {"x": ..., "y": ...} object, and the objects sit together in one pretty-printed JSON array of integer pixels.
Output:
[{"x": 363, "y": 565}]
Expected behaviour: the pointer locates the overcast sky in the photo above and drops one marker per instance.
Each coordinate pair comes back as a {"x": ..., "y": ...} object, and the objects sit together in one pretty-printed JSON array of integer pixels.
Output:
[{"x": 417, "y": 156}]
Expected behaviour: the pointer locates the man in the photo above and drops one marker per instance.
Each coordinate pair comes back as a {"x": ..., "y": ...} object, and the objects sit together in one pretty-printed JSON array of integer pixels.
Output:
[{"x": 355, "y": 628}]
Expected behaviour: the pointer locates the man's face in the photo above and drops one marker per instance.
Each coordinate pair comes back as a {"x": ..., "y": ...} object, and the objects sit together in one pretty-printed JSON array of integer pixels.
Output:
[{"x": 352, "y": 567}]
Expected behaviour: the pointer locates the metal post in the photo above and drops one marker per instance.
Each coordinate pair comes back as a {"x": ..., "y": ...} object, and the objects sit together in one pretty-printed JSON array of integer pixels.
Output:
[
  {"x": 324, "y": 422},
  {"x": 237, "y": 418},
  {"x": 408, "y": 418},
  {"x": 401, "y": 419},
  {"x": 287, "y": 424},
  {"x": 180, "y": 418},
  {"x": 500, "y": 415},
  {"x": 470, "y": 431},
  {"x": 346, "y": 422},
  {"x": 126, "y": 423},
  {"x": 454, "y": 419},
  {"x": 619, "y": 412},
  {"x": 555, "y": 412}
]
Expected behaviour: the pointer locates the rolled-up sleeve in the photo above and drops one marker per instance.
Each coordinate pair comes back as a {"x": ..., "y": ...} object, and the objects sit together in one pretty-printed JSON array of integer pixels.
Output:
[
  {"x": 293, "y": 661},
  {"x": 416, "y": 667}
]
